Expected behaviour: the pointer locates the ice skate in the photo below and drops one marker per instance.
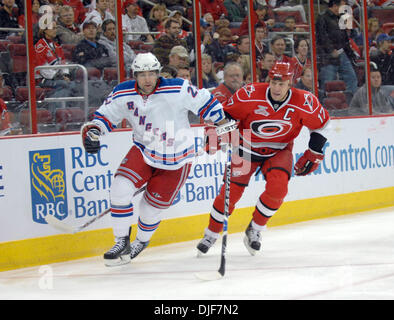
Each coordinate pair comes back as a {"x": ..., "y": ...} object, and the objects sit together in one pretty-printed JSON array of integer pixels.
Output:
[
  {"x": 252, "y": 239},
  {"x": 136, "y": 247},
  {"x": 119, "y": 254},
  {"x": 207, "y": 242}
]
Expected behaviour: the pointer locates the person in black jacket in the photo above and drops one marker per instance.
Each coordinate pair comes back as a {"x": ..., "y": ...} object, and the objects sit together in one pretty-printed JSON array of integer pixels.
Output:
[
  {"x": 8, "y": 17},
  {"x": 221, "y": 49},
  {"x": 334, "y": 53},
  {"x": 89, "y": 52}
]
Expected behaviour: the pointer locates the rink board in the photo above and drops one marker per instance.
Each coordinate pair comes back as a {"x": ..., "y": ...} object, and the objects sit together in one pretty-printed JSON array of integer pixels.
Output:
[{"x": 53, "y": 175}]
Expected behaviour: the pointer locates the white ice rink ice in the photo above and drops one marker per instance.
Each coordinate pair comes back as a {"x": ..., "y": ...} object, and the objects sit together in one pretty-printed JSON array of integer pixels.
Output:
[{"x": 345, "y": 257}]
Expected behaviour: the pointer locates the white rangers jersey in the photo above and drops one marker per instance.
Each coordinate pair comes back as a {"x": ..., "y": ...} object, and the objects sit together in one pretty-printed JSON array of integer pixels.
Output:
[{"x": 161, "y": 129}]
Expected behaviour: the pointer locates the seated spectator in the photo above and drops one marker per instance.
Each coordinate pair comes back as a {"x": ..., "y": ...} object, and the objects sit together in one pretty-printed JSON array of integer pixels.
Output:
[
  {"x": 305, "y": 82},
  {"x": 300, "y": 61},
  {"x": 68, "y": 32},
  {"x": 157, "y": 17},
  {"x": 168, "y": 72},
  {"x": 384, "y": 59},
  {"x": 265, "y": 65},
  {"x": 184, "y": 72},
  {"x": 278, "y": 47},
  {"x": 50, "y": 53},
  {"x": 177, "y": 15},
  {"x": 180, "y": 5},
  {"x": 209, "y": 78},
  {"x": 98, "y": 15},
  {"x": 89, "y": 52},
  {"x": 206, "y": 39},
  {"x": 243, "y": 45},
  {"x": 233, "y": 80},
  {"x": 260, "y": 14},
  {"x": 382, "y": 102},
  {"x": 168, "y": 40},
  {"x": 108, "y": 40},
  {"x": 215, "y": 7},
  {"x": 133, "y": 22},
  {"x": 35, "y": 6},
  {"x": 210, "y": 23},
  {"x": 55, "y": 6},
  {"x": 79, "y": 10},
  {"x": 261, "y": 36},
  {"x": 373, "y": 32},
  {"x": 237, "y": 10},
  {"x": 8, "y": 18},
  {"x": 221, "y": 48},
  {"x": 178, "y": 57}
]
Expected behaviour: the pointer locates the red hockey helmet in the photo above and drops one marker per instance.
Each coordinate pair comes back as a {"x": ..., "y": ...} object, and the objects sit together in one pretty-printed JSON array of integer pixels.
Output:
[{"x": 281, "y": 71}]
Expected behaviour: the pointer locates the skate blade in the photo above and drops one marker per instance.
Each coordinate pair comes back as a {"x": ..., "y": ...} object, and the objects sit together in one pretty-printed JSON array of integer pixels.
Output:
[
  {"x": 252, "y": 251},
  {"x": 117, "y": 262},
  {"x": 209, "y": 275}
]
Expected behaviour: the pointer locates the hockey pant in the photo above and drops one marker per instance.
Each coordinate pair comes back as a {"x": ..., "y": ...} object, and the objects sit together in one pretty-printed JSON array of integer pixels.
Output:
[
  {"x": 162, "y": 187},
  {"x": 277, "y": 173}
]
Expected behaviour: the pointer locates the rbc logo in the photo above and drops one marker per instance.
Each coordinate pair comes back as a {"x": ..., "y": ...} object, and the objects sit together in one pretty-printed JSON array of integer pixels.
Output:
[{"x": 48, "y": 184}]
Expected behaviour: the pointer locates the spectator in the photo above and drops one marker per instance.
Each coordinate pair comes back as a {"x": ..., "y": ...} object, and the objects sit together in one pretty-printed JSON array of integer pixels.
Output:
[
  {"x": 167, "y": 41},
  {"x": 50, "y": 53},
  {"x": 300, "y": 61},
  {"x": 261, "y": 35},
  {"x": 35, "y": 6},
  {"x": 260, "y": 14},
  {"x": 243, "y": 45},
  {"x": 209, "y": 78},
  {"x": 55, "y": 6},
  {"x": 67, "y": 30},
  {"x": 183, "y": 72},
  {"x": 8, "y": 17},
  {"x": 210, "y": 23},
  {"x": 99, "y": 15},
  {"x": 265, "y": 66},
  {"x": 373, "y": 31},
  {"x": 168, "y": 72},
  {"x": 89, "y": 52},
  {"x": 179, "y": 5},
  {"x": 334, "y": 53},
  {"x": 278, "y": 47},
  {"x": 177, "y": 15},
  {"x": 79, "y": 10},
  {"x": 133, "y": 22},
  {"x": 233, "y": 80},
  {"x": 305, "y": 82},
  {"x": 215, "y": 7},
  {"x": 221, "y": 49},
  {"x": 236, "y": 10},
  {"x": 108, "y": 40},
  {"x": 157, "y": 17},
  {"x": 206, "y": 39},
  {"x": 384, "y": 58},
  {"x": 178, "y": 57},
  {"x": 382, "y": 102}
]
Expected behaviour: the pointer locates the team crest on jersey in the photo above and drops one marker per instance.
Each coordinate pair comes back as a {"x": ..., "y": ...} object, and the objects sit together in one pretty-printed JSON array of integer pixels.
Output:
[
  {"x": 249, "y": 89},
  {"x": 270, "y": 128},
  {"x": 230, "y": 101},
  {"x": 262, "y": 110},
  {"x": 308, "y": 101}
]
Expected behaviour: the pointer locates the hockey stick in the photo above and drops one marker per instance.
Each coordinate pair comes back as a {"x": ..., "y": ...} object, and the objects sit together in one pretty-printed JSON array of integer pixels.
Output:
[
  {"x": 216, "y": 275},
  {"x": 62, "y": 226}
]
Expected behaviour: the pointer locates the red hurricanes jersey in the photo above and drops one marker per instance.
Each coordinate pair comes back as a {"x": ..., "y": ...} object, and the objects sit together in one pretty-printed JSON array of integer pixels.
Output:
[{"x": 265, "y": 128}]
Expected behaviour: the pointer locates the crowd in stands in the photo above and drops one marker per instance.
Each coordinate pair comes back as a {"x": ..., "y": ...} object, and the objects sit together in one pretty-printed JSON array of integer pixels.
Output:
[{"x": 84, "y": 32}]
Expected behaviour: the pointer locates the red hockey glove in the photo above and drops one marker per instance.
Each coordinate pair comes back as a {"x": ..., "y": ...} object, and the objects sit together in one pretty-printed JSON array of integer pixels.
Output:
[
  {"x": 308, "y": 163},
  {"x": 90, "y": 137}
]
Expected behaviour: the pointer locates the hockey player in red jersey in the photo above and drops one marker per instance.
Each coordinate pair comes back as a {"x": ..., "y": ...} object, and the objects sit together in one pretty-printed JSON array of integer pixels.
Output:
[{"x": 270, "y": 116}]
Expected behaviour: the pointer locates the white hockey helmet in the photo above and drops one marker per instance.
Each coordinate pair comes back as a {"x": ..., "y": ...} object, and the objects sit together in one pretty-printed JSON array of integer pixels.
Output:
[{"x": 145, "y": 62}]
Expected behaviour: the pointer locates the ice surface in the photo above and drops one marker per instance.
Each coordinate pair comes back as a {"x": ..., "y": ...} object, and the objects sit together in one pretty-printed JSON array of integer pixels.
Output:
[{"x": 346, "y": 257}]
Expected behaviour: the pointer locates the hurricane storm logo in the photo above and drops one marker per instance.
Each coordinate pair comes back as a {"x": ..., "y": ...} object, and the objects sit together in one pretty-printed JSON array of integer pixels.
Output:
[{"x": 48, "y": 184}]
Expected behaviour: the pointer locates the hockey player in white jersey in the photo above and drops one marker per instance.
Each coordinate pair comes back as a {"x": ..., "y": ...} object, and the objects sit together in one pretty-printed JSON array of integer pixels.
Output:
[{"x": 162, "y": 151}]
